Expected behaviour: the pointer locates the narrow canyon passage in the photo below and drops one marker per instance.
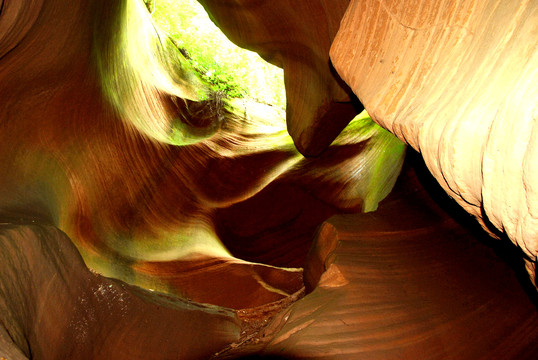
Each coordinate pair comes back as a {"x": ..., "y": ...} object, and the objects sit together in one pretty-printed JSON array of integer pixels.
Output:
[{"x": 145, "y": 216}]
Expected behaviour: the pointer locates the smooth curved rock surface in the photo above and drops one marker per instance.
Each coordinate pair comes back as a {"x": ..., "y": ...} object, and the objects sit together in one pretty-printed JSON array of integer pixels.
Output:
[
  {"x": 53, "y": 307},
  {"x": 297, "y": 38},
  {"x": 97, "y": 139},
  {"x": 107, "y": 136},
  {"x": 404, "y": 282},
  {"x": 457, "y": 81}
]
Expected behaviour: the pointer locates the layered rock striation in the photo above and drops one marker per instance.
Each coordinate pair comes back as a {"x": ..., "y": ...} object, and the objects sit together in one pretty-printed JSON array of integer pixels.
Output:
[{"x": 144, "y": 216}]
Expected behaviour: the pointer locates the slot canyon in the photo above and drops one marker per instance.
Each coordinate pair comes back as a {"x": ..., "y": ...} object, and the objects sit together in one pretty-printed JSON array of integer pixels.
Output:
[{"x": 390, "y": 213}]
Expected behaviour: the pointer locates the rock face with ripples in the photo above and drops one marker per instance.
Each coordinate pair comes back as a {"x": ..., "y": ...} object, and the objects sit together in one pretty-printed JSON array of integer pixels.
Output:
[
  {"x": 143, "y": 216},
  {"x": 457, "y": 82}
]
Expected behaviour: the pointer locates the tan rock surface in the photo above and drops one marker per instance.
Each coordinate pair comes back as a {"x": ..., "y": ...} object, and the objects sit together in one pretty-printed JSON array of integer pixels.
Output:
[{"x": 457, "y": 81}]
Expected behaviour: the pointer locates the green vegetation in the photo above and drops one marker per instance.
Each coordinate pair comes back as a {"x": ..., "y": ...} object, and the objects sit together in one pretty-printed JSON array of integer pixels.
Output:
[{"x": 236, "y": 72}]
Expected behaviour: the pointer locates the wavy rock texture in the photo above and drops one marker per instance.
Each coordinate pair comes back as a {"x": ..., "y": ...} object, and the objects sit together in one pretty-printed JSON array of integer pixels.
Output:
[
  {"x": 405, "y": 282},
  {"x": 457, "y": 81},
  {"x": 91, "y": 133},
  {"x": 110, "y": 143}
]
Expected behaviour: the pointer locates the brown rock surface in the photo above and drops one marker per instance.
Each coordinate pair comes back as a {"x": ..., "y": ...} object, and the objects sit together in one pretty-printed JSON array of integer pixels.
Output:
[
  {"x": 405, "y": 282},
  {"x": 136, "y": 172},
  {"x": 53, "y": 307},
  {"x": 108, "y": 138}
]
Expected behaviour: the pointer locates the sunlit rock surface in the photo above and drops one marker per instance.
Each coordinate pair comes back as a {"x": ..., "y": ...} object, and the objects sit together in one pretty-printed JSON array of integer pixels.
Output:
[
  {"x": 204, "y": 212},
  {"x": 296, "y": 38},
  {"x": 457, "y": 81}
]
